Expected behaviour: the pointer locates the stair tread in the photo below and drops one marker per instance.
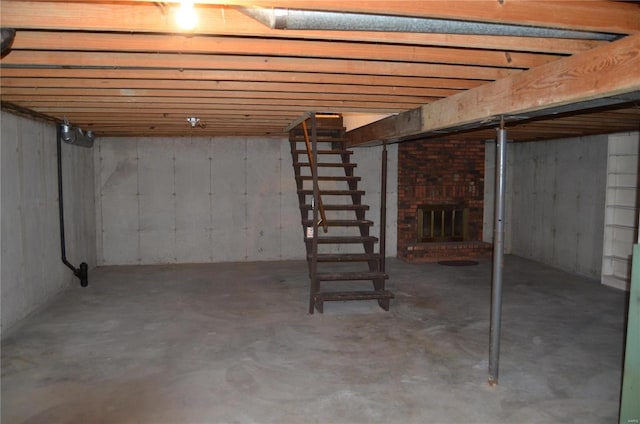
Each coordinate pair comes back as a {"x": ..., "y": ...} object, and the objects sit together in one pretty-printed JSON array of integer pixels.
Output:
[
  {"x": 332, "y": 192},
  {"x": 328, "y": 164},
  {"x": 341, "y": 222},
  {"x": 346, "y": 257},
  {"x": 350, "y": 276},
  {"x": 344, "y": 239},
  {"x": 354, "y": 295},
  {"x": 327, "y": 178},
  {"x": 327, "y": 152},
  {"x": 348, "y": 207}
]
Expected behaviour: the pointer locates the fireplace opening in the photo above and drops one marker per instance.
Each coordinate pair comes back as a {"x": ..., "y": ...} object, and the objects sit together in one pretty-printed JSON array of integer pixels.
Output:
[{"x": 442, "y": 223}]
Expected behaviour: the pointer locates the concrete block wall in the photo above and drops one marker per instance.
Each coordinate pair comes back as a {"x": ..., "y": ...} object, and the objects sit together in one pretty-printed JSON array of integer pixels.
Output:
[
  {"x": 621, "y": 209},
  {"x": 555, "y": 202},
  {"x": 204, "y": 199},
  {"x": 31, "y": 269}
]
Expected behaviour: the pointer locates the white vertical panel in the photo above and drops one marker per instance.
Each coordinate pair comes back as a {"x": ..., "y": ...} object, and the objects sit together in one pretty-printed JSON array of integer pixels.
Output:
[
  {"x": 193, "y": 199},
  {"x": 369, "y": 169},
  {"x": 51, "y": 263},
  {"x": 621, "y": 211},
  {"x": 119, "y": 201},
  {"x": 157, "y": 200},
  {"x": 291, "y": 235},
  {"x": 263, "y": 199},
  {"x": 557, "y": 202},
  {"x": 97, "y": 160},
  {"x": 369, "y": 161},
  {"x": 228, "y": 173},
  {"x": 13, "y": 298},
  {"x": 33, "y": 209},
  {"x": 565, "y": 200}
]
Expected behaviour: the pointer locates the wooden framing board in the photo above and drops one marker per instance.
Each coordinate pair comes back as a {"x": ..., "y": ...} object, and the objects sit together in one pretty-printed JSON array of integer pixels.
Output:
[
  {"x": 274, "y": 47},
  {"x": 607, "y": 71},
  {"x": 249, "y": 63},
  {"x": 592, "y": 15}
]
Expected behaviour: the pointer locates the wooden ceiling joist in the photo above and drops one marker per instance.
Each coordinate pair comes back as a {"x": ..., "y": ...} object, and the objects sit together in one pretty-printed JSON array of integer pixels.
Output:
[
  {"x": 591, "y": 15},
  {"x": 133, "y": 94},
  {"x": 222, "y": 87},
  {"x": 228, "y": 76},
  {"x": 228, "y": 21},
  {"x": 144, "y": 43},
  {"x": 604, "y": 72},
  {"x": 251, "y": 63},
  {"x": 101, "y": 62}
]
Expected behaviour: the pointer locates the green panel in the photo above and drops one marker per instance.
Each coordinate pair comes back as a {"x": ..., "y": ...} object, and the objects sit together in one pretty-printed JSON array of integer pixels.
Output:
[{"x": 630, "y": 405}]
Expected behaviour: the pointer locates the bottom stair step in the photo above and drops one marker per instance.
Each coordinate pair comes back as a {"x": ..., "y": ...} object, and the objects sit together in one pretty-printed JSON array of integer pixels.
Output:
[
  {"x": 351, "y": 276},
  {"x": 354, "y": 295},
  {"x": 382, "y": 296},
  {"x": 346, "y": 257}
]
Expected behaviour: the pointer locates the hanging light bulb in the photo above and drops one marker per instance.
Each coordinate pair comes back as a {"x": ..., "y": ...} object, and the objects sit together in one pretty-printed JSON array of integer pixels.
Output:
[{"x": 186, "y": 16}]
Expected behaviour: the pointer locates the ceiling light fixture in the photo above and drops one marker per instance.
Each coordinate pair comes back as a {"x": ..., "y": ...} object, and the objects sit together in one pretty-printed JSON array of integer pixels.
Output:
[
  {"x": 186, "y": 16},
  {"x": 193, "y": 121}
]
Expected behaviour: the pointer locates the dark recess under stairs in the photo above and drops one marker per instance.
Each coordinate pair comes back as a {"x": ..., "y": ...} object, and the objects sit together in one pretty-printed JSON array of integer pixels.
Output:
[{"x": 340, "y": 216}]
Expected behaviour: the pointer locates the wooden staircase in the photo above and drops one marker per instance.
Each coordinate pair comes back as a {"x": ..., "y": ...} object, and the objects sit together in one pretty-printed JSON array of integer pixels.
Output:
[{"x": 333, "y": 216}]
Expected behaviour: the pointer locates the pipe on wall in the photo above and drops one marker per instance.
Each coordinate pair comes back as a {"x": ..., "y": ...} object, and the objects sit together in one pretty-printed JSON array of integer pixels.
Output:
[{"x": 70, "y": 135}]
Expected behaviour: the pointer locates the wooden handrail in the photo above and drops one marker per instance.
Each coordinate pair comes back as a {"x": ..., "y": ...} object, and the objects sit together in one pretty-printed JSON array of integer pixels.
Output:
[{"x": 307, "y": 142}]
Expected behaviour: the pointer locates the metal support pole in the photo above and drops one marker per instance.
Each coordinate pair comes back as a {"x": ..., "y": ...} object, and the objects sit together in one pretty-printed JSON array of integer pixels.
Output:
[
  {"x": 498, "y": 254},
  {"x": 383, "y": 210}
]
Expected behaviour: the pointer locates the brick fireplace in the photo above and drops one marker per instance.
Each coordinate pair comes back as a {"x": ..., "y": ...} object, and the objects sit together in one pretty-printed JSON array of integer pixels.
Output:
[{"x": 440, "y": 200}]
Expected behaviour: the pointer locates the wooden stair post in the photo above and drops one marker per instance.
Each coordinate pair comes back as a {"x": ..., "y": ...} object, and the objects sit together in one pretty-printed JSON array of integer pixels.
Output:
[{"x": 326, "y": 269}]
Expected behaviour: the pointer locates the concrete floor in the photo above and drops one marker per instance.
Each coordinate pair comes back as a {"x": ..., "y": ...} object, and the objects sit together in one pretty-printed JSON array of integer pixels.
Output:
[{"x": 232, "y": 343}]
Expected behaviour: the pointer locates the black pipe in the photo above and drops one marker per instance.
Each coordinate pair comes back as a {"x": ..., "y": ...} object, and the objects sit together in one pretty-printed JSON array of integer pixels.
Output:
[
  {"x": 7, "y": 35},
  {"x": 83, "y": 271},
  {"x": 383, "y": 209}
]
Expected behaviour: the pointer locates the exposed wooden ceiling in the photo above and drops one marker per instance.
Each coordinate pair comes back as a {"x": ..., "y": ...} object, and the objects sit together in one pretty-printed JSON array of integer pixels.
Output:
[{"x": 124, "y": 68}]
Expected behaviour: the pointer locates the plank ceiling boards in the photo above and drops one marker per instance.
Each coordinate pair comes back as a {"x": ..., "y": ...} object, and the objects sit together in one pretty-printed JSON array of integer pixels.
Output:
[{"x": 124, "y": 68}]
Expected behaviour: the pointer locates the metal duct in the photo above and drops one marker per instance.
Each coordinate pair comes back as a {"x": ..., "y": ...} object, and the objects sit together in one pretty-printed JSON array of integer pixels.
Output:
[
  {"x": 8, "y": 35},
  {"x": 76, "y": 136},
  {"x": 279, "y": 18}
]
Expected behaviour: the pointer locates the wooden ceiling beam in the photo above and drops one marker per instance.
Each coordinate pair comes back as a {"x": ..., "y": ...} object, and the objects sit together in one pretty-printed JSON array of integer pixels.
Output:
[
  {"x": 603, "y": 72},
  {"x": 221, "y": 87},
  {"x": 208, "y": 114},
  {"x": 250, "y": 63},
  {"x": 196, "y": 110},
  {"x": 145, "y": 43},
  {"x": 150, "y": 132},
  {"x": 228, "y": 76},
  {"x": 593, "y": 15},
  {"x": 40, "y": 96}
]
